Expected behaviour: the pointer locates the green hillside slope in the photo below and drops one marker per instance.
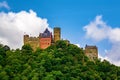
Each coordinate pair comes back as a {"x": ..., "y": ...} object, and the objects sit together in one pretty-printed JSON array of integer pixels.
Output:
[{"x": 60, "y": 61}]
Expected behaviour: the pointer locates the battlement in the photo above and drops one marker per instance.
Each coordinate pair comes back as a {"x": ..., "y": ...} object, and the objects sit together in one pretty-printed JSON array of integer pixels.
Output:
[
  {"x": 33, "y": 38},
  {"x": 90, "y": 47}
]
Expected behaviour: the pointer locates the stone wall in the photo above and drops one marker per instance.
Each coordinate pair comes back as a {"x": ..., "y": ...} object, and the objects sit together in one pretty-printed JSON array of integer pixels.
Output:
[{"x": 91, "y": 52}]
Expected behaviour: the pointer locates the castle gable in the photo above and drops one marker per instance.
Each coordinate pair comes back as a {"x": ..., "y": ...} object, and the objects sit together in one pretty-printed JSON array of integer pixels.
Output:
[
  {"x": 45, "y": 39},
  {"x": 45, "y": 34}
]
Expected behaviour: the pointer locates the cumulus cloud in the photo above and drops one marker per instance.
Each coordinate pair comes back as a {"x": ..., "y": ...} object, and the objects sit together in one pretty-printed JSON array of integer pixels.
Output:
[
  {"x": 4, "y": 5},
  {"x": 98, "y": 30},
  {"x": 95, "y": 28},
  {"x": 78, "y": 45},
  {"x": 14, "y": 25}
]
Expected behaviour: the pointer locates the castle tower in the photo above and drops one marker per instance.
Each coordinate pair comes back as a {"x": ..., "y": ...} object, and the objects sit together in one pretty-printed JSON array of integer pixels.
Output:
[
  {"x": 57, "y": 34},
  {"x": 91, "y": 52},
  {"x": 26, "y": 39}
]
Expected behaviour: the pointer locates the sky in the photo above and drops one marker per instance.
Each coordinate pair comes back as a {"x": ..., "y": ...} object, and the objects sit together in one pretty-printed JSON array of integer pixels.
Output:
[{"x": 91, "y": 22}]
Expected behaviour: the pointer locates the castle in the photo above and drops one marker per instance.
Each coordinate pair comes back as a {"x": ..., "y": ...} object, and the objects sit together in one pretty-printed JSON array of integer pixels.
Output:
[{"x": 45, "y": 39}]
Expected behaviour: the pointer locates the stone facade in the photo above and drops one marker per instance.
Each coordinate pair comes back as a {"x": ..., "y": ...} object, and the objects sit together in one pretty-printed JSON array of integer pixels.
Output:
[
  {"x": 44, "y": 39},
  {"x": 91, "y": 52},
  {"x": 33, "y": 41},
  {"x": 57, "y": 34}
]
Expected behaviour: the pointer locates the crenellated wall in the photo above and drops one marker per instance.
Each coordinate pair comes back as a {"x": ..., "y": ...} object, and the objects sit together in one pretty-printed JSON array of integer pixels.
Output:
[{"x": 33, "y": 41}]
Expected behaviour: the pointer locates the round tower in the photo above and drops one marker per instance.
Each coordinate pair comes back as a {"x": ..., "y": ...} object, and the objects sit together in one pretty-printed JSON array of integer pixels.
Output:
[{"x": 57, "y": 34}]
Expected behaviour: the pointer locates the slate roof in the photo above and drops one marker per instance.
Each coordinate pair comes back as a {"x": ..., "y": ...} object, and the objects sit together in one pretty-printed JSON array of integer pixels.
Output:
[{"x": 45, "y": 34}]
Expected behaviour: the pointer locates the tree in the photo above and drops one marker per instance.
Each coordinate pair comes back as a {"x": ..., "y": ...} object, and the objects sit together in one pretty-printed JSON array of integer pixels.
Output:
[
  {"x": 27, "y": 49},
  {"x": 61, "y": 44},
  {"x": 61, "y": 61},
  {"x": 6, "y": 48}
]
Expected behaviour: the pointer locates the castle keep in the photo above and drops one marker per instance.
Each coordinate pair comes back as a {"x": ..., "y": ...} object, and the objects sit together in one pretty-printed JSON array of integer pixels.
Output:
[{"x": 44, "y": 39}]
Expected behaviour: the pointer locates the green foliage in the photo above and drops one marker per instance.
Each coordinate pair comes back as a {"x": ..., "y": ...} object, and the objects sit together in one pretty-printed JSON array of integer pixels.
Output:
[
  {"x": 61, "y": 61},
  {"x": 27, "y": 49},
  {"x": 61, "y": 44}
]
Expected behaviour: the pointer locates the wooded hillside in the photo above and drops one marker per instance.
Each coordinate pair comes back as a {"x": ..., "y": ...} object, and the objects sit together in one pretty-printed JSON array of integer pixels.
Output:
[{"x": 60, "y": 61}]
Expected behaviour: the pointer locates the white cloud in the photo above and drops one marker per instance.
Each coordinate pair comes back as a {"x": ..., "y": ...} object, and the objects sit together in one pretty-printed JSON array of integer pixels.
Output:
[
  {"x": 95, "y": 28},
  {"x": 102, "y": 58},
  {"x": 114, "y": 54},
  {"x": 78, "y": 45},
  {"x": 98, "y": 30},
  {"x": 4, "y": 5},
  {"x": 14, "y": 25},
  {"x": 114, "y": 35}
]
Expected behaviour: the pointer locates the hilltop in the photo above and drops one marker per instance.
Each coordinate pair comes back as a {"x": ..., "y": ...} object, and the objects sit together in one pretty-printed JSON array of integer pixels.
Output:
[{"x": 60, "y": 61}]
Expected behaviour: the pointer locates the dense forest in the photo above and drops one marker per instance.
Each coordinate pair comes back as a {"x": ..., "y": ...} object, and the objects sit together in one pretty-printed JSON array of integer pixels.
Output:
[{"x": 61, "y": 61}]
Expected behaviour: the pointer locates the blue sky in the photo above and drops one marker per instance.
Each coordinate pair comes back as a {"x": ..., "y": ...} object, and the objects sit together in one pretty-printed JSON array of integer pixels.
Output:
[{"x": 72, "y": 16}]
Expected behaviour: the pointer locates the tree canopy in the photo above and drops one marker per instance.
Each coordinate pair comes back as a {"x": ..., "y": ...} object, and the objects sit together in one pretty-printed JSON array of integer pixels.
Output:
[{"x": 60, "y": 61}]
